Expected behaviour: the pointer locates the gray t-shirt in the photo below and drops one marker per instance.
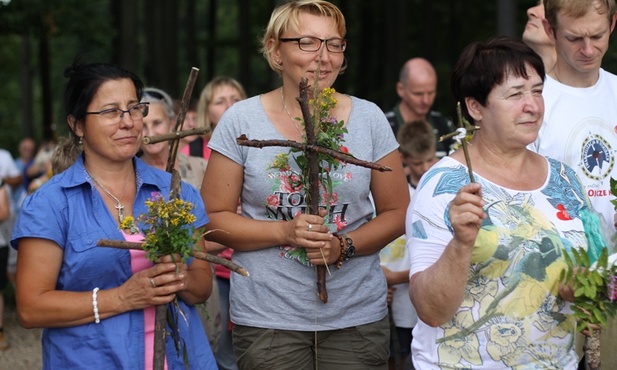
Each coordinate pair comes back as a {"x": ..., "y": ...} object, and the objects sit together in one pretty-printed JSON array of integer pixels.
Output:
[{"x": 281, "y": 291}]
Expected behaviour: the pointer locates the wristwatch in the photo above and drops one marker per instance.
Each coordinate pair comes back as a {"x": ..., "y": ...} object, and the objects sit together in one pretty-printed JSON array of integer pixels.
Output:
[{"x": 350, "y": 251}]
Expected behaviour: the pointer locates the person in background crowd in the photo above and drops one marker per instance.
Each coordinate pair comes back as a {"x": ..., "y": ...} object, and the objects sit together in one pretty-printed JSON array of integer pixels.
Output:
[
  {"x": 580, "y": 116},
  {"x": 189, "y": 145},
  {"x": 417, "y": 89},
  {"x": 9, "y": 172},
  {"x": 279, "y": 323},
  {"x": 536, "y": 38},
  {"x": 216, "y": 97},
  {"x": 96, "y": 304},
  {"x": 24, "y": 160},
  {"x": 5, "y": 219},
  {"x": 417, "y": 149},
  {"x": 40, "y": 171}
]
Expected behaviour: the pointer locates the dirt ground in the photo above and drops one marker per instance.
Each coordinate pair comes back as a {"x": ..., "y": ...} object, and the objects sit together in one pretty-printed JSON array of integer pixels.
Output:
[{"x": 24, "y": 352}]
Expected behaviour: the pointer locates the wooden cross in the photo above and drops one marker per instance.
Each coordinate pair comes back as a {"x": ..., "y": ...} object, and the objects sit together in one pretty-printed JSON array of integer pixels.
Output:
[
  {"x": 311, "y": 149},
  {"x": 460, "y": 134}
]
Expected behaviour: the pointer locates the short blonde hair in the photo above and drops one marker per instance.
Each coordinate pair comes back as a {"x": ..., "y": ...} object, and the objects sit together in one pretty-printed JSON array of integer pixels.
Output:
[
  {"x": 577, "y": 9},
  {"x": 207, "y": 94},
  {"x": 286, "y": 17}
]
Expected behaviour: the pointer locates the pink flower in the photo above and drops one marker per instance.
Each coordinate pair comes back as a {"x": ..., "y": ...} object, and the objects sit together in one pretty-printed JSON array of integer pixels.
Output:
[
  {"x": 612, "y": 288},
  {"x": 339, "y": 223},
  {"x": 272, "y": 200},
  {"x": 333, "y": 198},
  {"x": 287, "y": 184}
]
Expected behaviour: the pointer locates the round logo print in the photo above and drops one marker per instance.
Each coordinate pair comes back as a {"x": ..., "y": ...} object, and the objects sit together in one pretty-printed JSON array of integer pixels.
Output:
[{"x": 597, "y": 157}]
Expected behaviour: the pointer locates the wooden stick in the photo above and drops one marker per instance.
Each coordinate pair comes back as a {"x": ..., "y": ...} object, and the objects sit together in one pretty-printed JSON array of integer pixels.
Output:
[
  {"x": 343, "y": 157},
  {"x": 313, "y": 175},
  {"x": 464, "y": 143},
  {"x": 175, "y": 135},
  {"x": 186, "y": 98},
  {"x": 121, "y": 244},
  {"x": 161, "y": 310}
]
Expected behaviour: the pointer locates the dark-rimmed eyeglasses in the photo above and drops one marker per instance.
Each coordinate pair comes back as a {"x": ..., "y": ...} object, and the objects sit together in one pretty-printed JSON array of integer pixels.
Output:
[
  {"x": 310, "y": 43},
  {"x": 115, "y": 115}
]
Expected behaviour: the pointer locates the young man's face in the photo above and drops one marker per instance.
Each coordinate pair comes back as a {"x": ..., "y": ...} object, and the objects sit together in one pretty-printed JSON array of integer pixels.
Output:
[{"x": 582, "y": 42}]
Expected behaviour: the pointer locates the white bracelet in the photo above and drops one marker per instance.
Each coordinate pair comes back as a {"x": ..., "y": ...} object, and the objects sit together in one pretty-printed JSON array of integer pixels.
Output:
[{"x": 95, "y": 306}]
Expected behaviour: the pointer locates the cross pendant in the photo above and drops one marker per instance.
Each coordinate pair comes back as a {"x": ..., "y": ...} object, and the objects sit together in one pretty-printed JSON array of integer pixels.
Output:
[{"x": 120, "y": 209}]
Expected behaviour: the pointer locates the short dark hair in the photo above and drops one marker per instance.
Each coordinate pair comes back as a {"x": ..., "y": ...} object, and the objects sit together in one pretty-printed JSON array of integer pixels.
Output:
[
  {"x": 483, "y": 65},
  {"x": 84, "y": 82}
]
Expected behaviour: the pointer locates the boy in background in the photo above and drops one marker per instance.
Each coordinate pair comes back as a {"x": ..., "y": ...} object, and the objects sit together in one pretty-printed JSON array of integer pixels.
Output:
[{"x": 418, "y": 151}]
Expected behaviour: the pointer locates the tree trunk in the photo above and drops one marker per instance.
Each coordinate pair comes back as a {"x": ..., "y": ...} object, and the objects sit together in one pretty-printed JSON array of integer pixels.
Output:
[{"x": 26, "y": 85}]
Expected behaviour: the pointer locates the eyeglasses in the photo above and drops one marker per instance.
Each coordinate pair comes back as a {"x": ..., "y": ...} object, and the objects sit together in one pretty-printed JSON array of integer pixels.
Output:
[
  {"x": 115, "y": 115},
  {"x": 310, "y": 43}
]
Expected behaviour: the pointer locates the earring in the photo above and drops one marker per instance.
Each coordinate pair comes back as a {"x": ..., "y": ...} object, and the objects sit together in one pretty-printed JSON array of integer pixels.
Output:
[
  {"x": 278, "y": 61},
  {"x": 81, "y": 140}
]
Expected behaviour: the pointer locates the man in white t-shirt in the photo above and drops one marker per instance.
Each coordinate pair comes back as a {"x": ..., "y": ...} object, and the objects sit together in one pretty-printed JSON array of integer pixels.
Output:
[
  {"x": 580, "y": 119},
  {"x": 580, "y": 97}
]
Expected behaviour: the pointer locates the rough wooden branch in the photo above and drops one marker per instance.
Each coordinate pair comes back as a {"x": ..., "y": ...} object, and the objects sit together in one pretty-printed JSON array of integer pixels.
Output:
[
  {"x": 186, "y": 98},
  {"x": 120, "y": 244},
  {"x": 343, "y": 157},
  {"x": 161, "y": 310},
  {"x": 175, "y": 135},
  {"x": 313, "y": 175}
]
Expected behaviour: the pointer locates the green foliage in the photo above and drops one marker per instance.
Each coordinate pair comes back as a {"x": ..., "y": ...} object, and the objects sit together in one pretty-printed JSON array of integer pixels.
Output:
[
  {"x": 614, "y": 192},
  {"x": 593, "y": 286},
  {"x": 168, "y": 228},
  {"x": 329, "y": 133}
]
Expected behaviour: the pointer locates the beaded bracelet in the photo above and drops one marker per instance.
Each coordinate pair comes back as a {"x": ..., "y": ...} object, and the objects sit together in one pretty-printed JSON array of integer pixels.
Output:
[
  {"x": 95, "y": 306},
  {"x": 339, "y": 263}
]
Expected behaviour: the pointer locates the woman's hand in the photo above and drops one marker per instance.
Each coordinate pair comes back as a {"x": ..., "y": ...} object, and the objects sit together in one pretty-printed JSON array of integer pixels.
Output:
[
  {"x": 467, "y": 214},
  {"x": 156, "y": 285},
  {"x": 311, "y": 232}
]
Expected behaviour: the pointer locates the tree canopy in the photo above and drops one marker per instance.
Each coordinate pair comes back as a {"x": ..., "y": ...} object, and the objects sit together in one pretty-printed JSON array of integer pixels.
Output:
[{"x": 161, "y": 40}]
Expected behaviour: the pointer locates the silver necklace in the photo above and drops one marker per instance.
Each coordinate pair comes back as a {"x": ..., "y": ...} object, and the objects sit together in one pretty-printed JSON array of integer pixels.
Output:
[
  {"x": 119, "y": 206},
  {"x": 289, "y": 114}
]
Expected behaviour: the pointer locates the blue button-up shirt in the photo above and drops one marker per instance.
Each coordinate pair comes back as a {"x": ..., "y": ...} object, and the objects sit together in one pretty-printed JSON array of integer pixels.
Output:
[{"x": 70, "y": 212}]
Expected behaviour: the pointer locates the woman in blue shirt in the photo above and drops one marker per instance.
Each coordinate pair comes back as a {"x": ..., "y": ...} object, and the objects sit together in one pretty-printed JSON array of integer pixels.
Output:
[{"x": 97, "y": 304}]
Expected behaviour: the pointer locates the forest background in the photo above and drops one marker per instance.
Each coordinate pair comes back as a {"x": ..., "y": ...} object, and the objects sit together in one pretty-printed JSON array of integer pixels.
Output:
[{"x": 161, "y": 40}]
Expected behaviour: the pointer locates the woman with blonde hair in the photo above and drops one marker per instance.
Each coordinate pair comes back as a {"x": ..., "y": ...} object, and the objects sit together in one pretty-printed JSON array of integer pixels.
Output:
[
  {"x": 279, "y": 323},
  {"x": 215, "y": 98}
]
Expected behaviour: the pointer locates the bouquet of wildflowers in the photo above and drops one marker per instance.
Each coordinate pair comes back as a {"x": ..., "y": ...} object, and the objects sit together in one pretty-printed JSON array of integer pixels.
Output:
[
  {"x": 168, "y": 230},
  {"x": 167, "y": 226}
]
